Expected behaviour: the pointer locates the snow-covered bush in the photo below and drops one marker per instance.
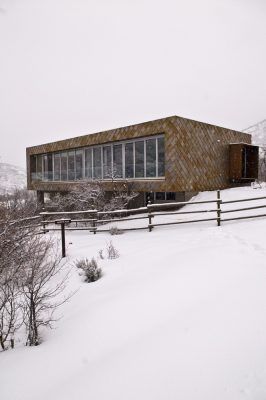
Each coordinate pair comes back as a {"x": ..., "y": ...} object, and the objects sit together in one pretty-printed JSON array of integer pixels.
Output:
[
  {"x": 111, "y": 251},
  {"x": 115, "y": 231},
  {"x": 89, "y": 195},
  {"x": 101, "y": 254},
  {"x": 90, "y": 269}
]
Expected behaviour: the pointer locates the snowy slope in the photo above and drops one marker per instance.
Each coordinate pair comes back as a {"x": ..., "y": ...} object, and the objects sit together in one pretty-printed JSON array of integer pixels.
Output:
[
  {"x": 180, "y": 315},
  {"x": 11, "y": 177},
  {"x": 258, "y": 132}
]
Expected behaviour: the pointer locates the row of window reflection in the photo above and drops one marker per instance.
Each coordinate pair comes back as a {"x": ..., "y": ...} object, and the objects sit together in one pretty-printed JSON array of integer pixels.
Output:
[
  {"x": 160, "y": 196},
  {"x": 134, "y": 159}
]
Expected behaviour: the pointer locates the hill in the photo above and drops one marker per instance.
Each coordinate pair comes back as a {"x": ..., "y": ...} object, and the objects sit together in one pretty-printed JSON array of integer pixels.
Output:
[
  {"x": 179, "y": 315},
  {"x": 258, "y": 132},
  {"x": 11, "y": 177}
]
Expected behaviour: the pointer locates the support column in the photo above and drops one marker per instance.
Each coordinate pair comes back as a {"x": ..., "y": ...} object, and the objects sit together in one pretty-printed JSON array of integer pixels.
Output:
[{"x": 40, "y": 197}]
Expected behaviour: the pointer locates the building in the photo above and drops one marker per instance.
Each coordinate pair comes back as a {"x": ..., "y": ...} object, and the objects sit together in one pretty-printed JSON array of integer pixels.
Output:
[{"x": 169, "y": 159}]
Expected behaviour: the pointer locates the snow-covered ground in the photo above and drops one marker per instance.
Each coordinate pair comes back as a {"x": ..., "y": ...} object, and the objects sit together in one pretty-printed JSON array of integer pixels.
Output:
[{"x": 181, "y": 314}]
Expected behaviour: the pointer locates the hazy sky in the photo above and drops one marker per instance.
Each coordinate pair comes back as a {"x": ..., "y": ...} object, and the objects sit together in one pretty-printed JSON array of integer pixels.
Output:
[{"x": 72, "y": 67}]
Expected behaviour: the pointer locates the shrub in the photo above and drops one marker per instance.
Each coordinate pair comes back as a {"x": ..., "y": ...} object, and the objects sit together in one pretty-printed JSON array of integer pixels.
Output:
[
  {"x": 115, "y": 231},
  {"x": 111, "y": 251},
  {"x": 91, "y": 271},
  {"x": 101, "y": 255}
]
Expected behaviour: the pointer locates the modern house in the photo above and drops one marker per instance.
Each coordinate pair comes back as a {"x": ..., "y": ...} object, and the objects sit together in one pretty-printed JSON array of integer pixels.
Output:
[{"x": 168, "y": 159}]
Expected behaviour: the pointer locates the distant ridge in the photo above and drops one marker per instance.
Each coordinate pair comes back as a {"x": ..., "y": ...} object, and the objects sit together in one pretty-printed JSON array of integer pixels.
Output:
[
  {"x": 11, "y": 177},
  {"x": 258, "y": 132}
]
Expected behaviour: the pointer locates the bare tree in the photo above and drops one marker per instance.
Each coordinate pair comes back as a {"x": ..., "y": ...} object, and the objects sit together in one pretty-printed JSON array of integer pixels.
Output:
[
  {"x": 85, "y": 195},
  {"x": 88, "y": 195},
  {"x": 13, "y": 241},
  {"x": 43, "y": 283},
  {"x": 30, "y": 273},
  {"x": 10, "y": 311}
]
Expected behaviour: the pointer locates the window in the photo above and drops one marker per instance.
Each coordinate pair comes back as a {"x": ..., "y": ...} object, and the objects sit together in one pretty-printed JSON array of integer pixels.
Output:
[
  {"x": 117, "y": 161},
  {"x": 48, "y": 167},
  {"x": 170, "y": 196},
  {"x": 39, "y": 167},
  {"x": 107, "y": 162},
  {"x": 150, "y": 158},
  {"x": 79, "y": 164},
  {"x": 33, "y": 163},
  {"x": 63, "y": 166},
  {"x": 71, "y": 165},
  {"x": 88, "y": 163},
  {"x": 160, "y": 196},
  {"x": 165, "y": 196},
  {"x": 57, "y": 167},
  {"x": 131, "y": 159},
  {"x": 161, "y": 162},
  {"x": 139, "y": 159},
  {"x": 97, "y": 163}
]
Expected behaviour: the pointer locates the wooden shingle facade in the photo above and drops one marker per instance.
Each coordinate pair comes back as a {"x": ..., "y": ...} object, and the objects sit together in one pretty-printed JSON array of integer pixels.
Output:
[{"x": 178, "y": 156}]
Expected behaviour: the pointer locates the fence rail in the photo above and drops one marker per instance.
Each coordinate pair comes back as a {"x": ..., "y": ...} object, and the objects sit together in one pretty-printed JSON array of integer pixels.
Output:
[{"x": 95, "y": 220}]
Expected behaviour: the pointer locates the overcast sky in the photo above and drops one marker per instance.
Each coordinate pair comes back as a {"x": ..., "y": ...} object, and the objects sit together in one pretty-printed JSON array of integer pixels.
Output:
[{"x": 73, "y": 67}]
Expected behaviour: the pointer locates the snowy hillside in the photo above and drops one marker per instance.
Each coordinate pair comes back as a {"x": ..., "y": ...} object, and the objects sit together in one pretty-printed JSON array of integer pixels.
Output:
[
  {"x": 258, "y": 132},
  {"x": 11, "y": 177},
  {"x": 181, "y": 314}
]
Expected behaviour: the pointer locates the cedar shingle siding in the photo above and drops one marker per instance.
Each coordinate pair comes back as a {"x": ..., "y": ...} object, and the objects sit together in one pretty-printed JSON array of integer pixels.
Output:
[{"x": 196, "y": 155}]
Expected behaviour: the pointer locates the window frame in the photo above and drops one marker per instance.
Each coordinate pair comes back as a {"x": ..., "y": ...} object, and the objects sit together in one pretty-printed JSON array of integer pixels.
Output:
[{"x": 132, "y": 141}]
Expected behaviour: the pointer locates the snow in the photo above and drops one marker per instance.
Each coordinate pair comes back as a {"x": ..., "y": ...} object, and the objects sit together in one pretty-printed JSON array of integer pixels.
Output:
[
  {"x": 11, "y": 178},
  {"x": 258, "y": 132},
  {"x": 181, "y": 314}
]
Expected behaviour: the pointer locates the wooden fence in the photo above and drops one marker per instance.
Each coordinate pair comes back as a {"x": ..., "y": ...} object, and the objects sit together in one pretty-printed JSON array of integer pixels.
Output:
[{"x": 94, "y": 221}]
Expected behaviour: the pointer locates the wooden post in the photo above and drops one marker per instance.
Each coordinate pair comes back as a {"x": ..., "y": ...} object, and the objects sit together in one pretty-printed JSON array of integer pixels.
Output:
[
  {"x": 43, "y": 220},
  {"x": 149, "y": 215},
  {"x": 63, "y": 239},
  {"x": 94, "y": 222},
  {"x": 62, "y": 222},
  {"x": 94, "y": 226},
  {"x": 218, "y": 208}
]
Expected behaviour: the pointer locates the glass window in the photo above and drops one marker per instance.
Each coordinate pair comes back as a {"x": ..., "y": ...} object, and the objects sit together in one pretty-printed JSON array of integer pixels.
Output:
[
  {"x": 97, "y": 163},
  {"x": 79, "y": 164},
  {"x": 45, "y": 167},
  {"x": 71, "y": 165},
  {"x": 88, "y": 163},
  {"x": 33, "y": 161},
  {"x": 139, "y": 159},
  {"x": 170, "y": 195},
  {"x": 57, "y": 167},
  {"x": 161, "y": 169},
  {"x": 117, "y": 161},
  {"x": 64, "y": 166},
  {"x": 160, "y": 195},
  {"x": 107, "y": 162},
  {"x": 39, "y": 167},
  {"x": 134, "y": 159},
  {"x": 50, "y": 166},
  {"x": 150, "y": 157},
  {"x": 129, "y": 160}
]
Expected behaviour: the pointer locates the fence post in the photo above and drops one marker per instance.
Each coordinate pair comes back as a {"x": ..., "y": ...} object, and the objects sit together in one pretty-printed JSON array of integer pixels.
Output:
[
  {"x": 149, "y": 215},
  {"x": 63, "y": 239},
  {"x": 218, "y": 208},
  {"x": 43, "y": 220},
  {"x": 62, "y": 222},
  {"x": 94, "y": 222}
]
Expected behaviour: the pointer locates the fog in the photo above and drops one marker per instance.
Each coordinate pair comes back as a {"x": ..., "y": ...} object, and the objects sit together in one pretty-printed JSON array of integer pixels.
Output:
[{"x": 73, "y": 67}]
